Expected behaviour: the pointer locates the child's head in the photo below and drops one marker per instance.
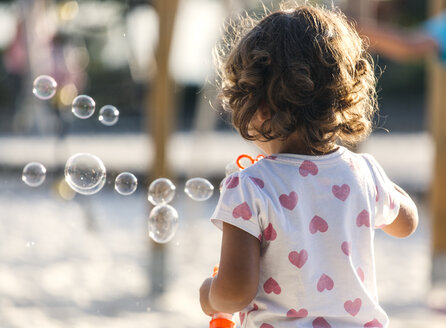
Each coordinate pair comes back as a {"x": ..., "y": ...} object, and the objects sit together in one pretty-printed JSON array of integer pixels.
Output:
[{"x": 308, "y": 67}]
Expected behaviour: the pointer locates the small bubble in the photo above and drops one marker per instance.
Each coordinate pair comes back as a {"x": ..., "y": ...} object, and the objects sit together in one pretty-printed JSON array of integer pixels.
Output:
[
  {"x": 163, "y": 223},
  {"x": 161, "y": 191},
  {"x": 108, "y": 115},
  {"x": 34, "y": 174},
  {"x": 126, "y": 183},
  {"x": 44, "y": 87},
  {"x": 199, "y": 189},
  {"x": 83, "y": 106}
]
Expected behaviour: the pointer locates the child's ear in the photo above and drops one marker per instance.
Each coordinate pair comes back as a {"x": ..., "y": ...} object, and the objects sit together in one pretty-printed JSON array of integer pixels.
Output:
[{"x": 263, "y": 113}]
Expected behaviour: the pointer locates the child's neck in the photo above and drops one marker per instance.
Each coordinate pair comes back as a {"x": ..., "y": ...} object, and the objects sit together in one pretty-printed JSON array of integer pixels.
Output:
[{"x": 292, "y": 145}]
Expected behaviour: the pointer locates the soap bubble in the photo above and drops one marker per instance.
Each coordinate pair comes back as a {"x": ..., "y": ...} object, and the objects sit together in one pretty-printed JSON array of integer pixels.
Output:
[
  {"x": 83, "y": 106},
  {"x": 108, "y": 115},
  {"x": 44, "y": 87},
  {"x": 34, "y": 174},
  {"x": 163, "y": 223},
  {"x": 161, "y": 190},
  {"x": 126, "y": 183},
  {"x": 85, "y": 173},
  {"x": 199, "y": 189}
]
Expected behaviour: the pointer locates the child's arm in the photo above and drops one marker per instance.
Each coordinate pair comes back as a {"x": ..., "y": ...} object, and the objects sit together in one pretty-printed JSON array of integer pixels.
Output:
[
  {"x": 238, "y": 276},
  {"x": 407, "y": 220}
]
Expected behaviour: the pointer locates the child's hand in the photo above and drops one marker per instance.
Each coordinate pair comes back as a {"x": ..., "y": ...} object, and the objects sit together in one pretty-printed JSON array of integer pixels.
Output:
[{"x": 204, "y": 297}]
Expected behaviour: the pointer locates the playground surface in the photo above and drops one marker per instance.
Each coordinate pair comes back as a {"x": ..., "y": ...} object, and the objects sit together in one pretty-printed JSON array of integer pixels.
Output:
[{"x": 86, "y": 262}]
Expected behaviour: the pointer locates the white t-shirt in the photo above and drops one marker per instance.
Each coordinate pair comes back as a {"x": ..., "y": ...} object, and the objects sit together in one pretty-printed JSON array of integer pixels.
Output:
[{"x": 315, "y": 217}]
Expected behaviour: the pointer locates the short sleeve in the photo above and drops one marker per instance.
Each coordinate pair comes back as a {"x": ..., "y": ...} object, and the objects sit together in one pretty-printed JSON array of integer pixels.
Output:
[
  {"x": 240, "y": 204},
  {"x": 387, "y": 204},
  {"x": 436, "y": 28}
]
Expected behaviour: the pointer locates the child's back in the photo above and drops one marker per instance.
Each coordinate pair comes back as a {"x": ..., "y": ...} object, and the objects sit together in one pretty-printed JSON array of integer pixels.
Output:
[{"x": 315, "y": 219}]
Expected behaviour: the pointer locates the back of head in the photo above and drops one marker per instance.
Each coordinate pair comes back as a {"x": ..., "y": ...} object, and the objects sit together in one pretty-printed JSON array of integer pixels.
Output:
[{"x": 309, "y": 67}]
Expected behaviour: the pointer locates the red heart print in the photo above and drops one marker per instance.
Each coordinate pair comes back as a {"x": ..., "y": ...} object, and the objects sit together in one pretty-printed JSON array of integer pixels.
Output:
[
  {"x": 360, "y": 274},
  {"x": 242, "y": 317},
  {"x": 373, "y": 324},
  {"x": 318, "y": 224},
  {"x": 242, "y": 211},
  {"x": 269, "y": 233},
  {"x": 271, "y": 286},
  {"x": 308, "y": 167},
  {"x": 363, "y": 218},
  {"x": 232, "y": 182},
  {"x": 258, "y": 182},
  {"x": 346, "y": 248},
  {"x": 288, "y": 201},
  {"x": 298, "y": 258},
  {"x": 320, "y": 322},
  {"x": 254, "y": 308},
  {"x": 341, "y": 192},
  {"x": 353, "y": 307},
  {"x": 266, "y": 325},
  {"x": 325, "y": 282},
  {"x": 302, "y": 313}
]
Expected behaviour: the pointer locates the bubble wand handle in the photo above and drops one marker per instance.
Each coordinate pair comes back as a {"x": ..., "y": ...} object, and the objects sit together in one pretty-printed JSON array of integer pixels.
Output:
[{"x": 219, "y": 319}]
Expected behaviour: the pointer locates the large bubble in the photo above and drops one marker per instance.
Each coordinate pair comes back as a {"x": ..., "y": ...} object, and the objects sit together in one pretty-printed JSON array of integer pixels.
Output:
[
  {"x": 199, "y": 189},
  {"x": 163, "y": 223},
  {"x": 44, "y": 87},
  {"x": 85, "y": 173},
  {"x": 34, "y": 174},
  {"x": 126, "y": 183},
  {"x": 83, "y": 106},
  {"x": 161, "y": 191},
  {"x": 108, "y": 115}
]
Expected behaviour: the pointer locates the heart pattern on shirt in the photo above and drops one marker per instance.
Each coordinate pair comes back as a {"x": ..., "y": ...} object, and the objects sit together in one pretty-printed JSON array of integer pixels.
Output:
[
  {"x": 302, "y": 313},
  {"x": 341, "y": 192},
  {"x": 308, "y": 167},
  {"x": 288, "y": 201},
  {"x": 242, "y": 317},
  {"x": 269, "y": 233},
  {"x": 346, "y": 248},
  {"x": 271, "y": 286},
  {"x": 258, "y": 182},
  {"x": 318, "y": 224},
  {"x": 360, "y": 274},
  {"x": 254, "y": 308},
  {"x": 242, "y": 211},
  {"x": 266, "y": 325},
  {"x": 232, "y": 182},
  {"x": 353, "y": 307},
  {"x": 298, "y": 258},
  {"x": 373, "y": 324},
  {"x": 325, "y": 282},
  {"x": 320, "y": 322},
  {"x": 363, "y": 218}
]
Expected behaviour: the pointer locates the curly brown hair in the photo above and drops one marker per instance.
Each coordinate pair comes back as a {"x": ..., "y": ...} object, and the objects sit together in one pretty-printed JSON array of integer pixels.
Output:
[{"x": 309, "y": 67}]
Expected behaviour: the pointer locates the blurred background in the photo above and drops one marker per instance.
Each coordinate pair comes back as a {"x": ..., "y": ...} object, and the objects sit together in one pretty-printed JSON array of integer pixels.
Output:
[{"x": 70, "y": 260}]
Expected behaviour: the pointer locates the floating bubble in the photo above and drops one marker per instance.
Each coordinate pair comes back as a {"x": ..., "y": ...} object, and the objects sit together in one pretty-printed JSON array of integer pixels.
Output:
[
  {"x": 108, "y": 115},
  {"x": 85, "y": 173},
  {"x": 83, "y": 106},
  {"x": 34, "y": 174},
  {"x": 161, "y": 191},
  {"x": 44, "y": 87},
  {"x": 163, "y": 223},
  {"x": 199, "y": 189},
  {"x": 126, "y": 183}
]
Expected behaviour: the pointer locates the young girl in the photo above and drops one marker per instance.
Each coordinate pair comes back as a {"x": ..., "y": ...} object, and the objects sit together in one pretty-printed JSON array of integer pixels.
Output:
[{"x": 298, "y": 226}]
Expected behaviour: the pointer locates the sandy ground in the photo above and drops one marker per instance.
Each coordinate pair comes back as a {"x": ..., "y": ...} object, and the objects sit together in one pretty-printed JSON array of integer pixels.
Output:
[{"x": 88, "y": 262}]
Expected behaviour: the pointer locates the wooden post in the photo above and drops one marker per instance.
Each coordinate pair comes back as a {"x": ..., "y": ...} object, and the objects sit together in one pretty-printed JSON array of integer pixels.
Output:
[
  {"x": 437, "y": 112},
  {"x": 158, "y": 119}
]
